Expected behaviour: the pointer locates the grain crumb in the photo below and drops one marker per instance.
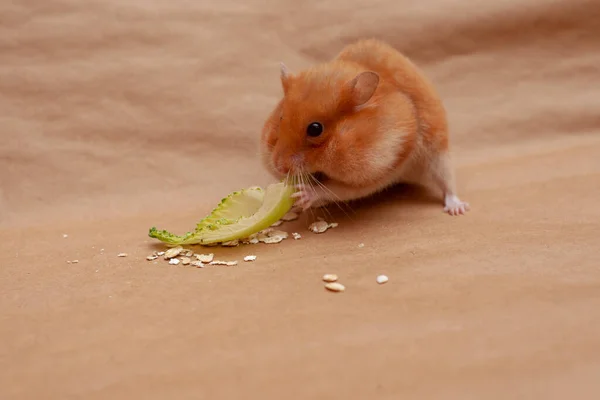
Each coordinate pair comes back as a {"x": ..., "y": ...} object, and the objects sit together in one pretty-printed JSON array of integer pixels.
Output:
[
  {"x": 122, "y": 255},
  {"x": 330, "y": 277},
  {"x": 382, "y": 279},
  {"x": 174, "y": 261},
  {"x": 152, "y": 257},
  {"x": 296, "y": 235},
  {"x": 250, "y": 258}
]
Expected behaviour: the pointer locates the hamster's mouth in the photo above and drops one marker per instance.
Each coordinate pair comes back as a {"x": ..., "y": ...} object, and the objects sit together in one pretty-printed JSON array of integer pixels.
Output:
[{"x": 320, "y": 176}]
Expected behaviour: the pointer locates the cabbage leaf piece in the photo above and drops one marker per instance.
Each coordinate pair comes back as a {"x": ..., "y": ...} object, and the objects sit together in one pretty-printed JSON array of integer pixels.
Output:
[{"x": 239, "y": 215}]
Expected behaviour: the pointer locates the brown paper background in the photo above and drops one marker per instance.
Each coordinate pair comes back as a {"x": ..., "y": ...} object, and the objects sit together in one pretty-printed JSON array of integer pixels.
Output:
[{"x": 119, "y": 115}]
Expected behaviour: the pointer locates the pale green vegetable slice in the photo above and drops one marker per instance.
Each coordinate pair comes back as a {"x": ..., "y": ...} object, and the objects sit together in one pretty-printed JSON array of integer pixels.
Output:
[
  {"x": 237, "y": 216},
  {"x": 241, "y": 203}
]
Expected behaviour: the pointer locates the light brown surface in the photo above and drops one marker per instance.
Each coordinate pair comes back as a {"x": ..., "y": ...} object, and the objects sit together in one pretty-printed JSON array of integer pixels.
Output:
[{"x": 112, "y": 116}]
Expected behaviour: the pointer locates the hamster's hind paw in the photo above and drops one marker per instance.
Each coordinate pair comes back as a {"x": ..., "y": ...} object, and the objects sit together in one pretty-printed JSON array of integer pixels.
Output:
[
  {"x": 306, "y": 196},
  {"x": 455, "y": 206}
]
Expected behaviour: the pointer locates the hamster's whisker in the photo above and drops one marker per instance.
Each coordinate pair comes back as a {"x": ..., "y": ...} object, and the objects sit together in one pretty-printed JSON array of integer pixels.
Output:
[
  {"x": 336, "y": 199},
  {"x": 304, "y": 181}
]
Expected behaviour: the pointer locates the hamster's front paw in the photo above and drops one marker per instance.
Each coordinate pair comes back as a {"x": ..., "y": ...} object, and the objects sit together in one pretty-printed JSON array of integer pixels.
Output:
[
  {"x": 455, "y": 206},
  {"x": 306, "y": 196}
]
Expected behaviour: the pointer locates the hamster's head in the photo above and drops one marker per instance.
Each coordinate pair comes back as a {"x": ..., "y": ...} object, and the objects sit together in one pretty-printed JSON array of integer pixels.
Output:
[{"x": 315, "y": 128}]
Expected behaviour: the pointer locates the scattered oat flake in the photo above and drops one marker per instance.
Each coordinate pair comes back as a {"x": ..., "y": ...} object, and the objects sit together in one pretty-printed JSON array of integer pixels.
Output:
[
  {"x": 290, "y": 216},
  {"x": 122, "y": 255},
  {"x": 273, "y": 233},
  {"x": 185, "y": 260},
  {"x": 330, "y": 277},
  {"x": 277, "y": 223},
  {"x": 335, "y": 287},
  {"x": 250, "y": 258},
  {"x": 296, "y": 235},
  {"x": 173, "y": 252},
  {"x": 318, "y": 227},
  {"x": 189, "y": 253},
  {"x": 160, "y": 253},
  {"x": 198, "y": 264},
  {"x": 174, "y": 261},
  {"x": 151, "y": 258},
  {"x": 227, "y": 263},
  {"x": 382, "y": 279},
  {"x": 333, "y": 225},
  {"x": 231, "y": 243},
  {"x": 205, "y": 258},
  {"x": 272, "y": 239}
]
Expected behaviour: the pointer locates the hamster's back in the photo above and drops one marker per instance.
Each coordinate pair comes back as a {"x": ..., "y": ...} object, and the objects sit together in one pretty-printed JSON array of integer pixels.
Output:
[{"x": 394, "y": 67}]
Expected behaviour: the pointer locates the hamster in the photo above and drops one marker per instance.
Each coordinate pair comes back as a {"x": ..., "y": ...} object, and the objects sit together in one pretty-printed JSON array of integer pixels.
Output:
[{"x": 356, "y": 125}]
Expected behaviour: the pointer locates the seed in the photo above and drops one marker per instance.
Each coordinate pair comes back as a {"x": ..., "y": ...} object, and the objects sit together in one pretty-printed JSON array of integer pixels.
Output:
[
  {"x": 382, "y": 279},
  {"x": 173, "y": 252},
  {"x": 330, "y": 277},
  {"x": 185, "y": 260},
  {"x": 249, "y": 258},
  {"x": 122, "y": 255},
  {"x": 174, "y": 261},
  {"x": 205, "y": 258},
  {"x": 335, "y": 287},
  {"x": 152, "y": 257}
]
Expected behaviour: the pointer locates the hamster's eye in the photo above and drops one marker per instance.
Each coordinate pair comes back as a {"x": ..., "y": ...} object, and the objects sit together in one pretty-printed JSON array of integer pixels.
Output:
[{"x": 314, "y": 129}]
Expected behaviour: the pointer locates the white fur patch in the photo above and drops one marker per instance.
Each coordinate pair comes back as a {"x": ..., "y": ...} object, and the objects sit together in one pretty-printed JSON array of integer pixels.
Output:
[{"x": 385, "y": 151}]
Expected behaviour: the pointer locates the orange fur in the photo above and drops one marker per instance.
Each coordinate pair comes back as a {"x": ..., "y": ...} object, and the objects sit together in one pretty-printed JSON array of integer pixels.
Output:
[{"x": 383, "y": 123}]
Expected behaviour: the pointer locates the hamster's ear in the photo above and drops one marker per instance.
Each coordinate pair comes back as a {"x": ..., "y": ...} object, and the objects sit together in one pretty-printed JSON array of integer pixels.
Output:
[
  {"x": 286, "y": 76},
  {"x": 361, "y": 88}
]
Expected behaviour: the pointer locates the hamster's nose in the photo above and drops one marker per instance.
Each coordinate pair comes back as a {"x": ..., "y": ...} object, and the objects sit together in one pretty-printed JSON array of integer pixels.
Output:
[{"x": 283, "y": 168}]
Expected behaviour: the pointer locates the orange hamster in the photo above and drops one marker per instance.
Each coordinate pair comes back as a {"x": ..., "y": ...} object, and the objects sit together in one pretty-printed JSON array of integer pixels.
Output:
[{"x": 358, "y": 124}]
